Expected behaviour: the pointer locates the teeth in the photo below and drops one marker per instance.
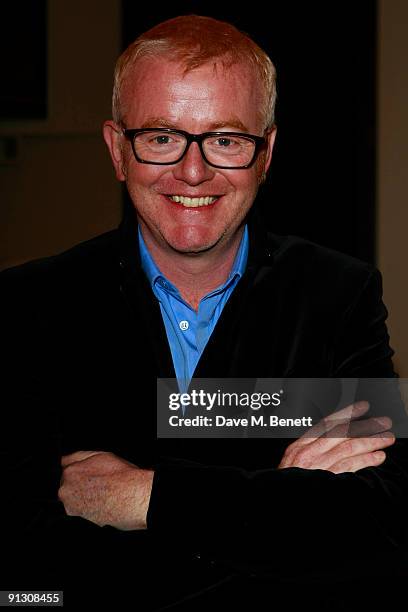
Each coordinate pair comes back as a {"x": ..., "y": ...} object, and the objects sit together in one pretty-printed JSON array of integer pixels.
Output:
[{"x": 193, "y": 202}]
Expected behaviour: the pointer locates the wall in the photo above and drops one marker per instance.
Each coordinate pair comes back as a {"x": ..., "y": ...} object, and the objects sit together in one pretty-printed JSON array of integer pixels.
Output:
[
  {"x": 392, "y": 188},
  {"x": 77, "y": 196}
]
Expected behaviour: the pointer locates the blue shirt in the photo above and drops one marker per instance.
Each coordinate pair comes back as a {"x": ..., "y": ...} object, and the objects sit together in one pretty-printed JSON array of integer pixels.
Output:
[{"x": 188, "y": 331}]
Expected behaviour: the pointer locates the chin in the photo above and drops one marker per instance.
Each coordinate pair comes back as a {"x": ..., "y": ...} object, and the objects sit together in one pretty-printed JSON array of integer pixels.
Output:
[
  {"x": 193, "y": 242},
  {"x": 191, "y": 247}
]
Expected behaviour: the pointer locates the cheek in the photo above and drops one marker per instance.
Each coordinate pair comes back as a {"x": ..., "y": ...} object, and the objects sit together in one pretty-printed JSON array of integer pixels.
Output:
[
  {"x": 142, "y": 176},
  {"x": 247, "y": 183}
]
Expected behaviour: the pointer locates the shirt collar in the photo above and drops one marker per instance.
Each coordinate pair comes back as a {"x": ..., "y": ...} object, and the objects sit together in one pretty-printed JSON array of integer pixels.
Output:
[
  {"x": 147, "y": 262},
  {"x": 241, "y": 258},
  {"x": 154, "y": 275}
]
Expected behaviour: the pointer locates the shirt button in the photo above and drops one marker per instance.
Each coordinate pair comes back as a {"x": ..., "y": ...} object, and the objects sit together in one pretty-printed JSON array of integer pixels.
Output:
[{"x": 183, "y": 325}]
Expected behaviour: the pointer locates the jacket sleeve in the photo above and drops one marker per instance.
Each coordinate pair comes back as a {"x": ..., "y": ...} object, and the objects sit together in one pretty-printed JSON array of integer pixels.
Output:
[
  {"x": 34, "y": 529},
  {"x": 361, "y": 342},
  {"x": 312, "y": 520}
]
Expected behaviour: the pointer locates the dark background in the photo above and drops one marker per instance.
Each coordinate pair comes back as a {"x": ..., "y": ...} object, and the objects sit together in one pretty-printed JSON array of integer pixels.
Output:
[{"x": 23, "y": 57}]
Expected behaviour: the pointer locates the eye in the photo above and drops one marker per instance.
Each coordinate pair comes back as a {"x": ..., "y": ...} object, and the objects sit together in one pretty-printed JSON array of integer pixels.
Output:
[
  {"x": 224, "y": 142},
  {"x": 161, "y": 139}
]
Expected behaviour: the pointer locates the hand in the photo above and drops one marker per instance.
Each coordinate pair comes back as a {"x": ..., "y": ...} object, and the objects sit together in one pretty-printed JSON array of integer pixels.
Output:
[
  {"x": 335, "y": 445},
  {"x": 105, "y": 489}
]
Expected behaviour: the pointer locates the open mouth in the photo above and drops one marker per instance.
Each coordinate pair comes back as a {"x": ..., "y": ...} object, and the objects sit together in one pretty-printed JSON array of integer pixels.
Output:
[{"x": 188, "y": 202}]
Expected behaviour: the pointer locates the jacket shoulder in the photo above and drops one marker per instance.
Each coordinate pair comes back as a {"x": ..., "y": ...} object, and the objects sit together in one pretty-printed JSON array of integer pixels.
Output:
[
  {"x": 88, "y": 256},
  {"x": 315, "y": 260}
]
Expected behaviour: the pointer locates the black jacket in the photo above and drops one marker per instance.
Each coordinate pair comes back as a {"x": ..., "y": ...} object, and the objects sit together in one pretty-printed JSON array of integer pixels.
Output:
[{"x": 83, "y": 342}]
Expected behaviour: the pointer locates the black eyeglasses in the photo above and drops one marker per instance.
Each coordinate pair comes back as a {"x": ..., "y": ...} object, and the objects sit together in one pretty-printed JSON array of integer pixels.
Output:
[{"x": 165, "y": 146}]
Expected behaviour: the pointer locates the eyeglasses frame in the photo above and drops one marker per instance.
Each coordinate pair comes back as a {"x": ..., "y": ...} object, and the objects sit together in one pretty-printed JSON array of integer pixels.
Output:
[{"x": 260, "y": 141}]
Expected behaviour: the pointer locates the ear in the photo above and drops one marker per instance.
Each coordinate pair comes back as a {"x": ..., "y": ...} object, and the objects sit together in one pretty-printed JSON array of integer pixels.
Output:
[
  {"x": 112, "y": 135},
  {"x": 271, "y": 141}
]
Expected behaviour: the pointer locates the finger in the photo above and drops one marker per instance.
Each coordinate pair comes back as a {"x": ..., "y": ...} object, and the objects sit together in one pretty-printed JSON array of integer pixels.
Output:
[
  {"x": 359, "y": 462},
  {"x": 318, "y": 447},
  {"x": 335, "y": 419},
  {"x": 325, "y": 452},
  {"x": 352, "y": 411},
  {"x": 357, "y": 429},
  {"x": 352, "y": 447},
  {"x": 369, "y": 427},
  {"x": 78, "y": 456}
]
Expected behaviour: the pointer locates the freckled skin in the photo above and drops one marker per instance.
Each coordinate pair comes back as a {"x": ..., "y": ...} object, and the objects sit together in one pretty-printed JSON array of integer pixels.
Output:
[{"x": 191, "y": 102}]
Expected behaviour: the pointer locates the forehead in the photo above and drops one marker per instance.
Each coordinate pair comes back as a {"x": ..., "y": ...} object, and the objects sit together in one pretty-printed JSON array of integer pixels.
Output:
[{"x": 209, "y": 94}]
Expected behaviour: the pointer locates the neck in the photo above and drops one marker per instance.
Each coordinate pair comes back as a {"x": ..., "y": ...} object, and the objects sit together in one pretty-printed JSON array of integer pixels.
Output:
[{"x": 195, "y": 274}]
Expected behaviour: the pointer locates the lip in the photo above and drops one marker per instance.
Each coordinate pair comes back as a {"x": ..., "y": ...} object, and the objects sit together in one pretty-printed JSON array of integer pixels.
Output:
[
  {"x": 192, "y": 208},
  {"x": 193, "y": 195}
]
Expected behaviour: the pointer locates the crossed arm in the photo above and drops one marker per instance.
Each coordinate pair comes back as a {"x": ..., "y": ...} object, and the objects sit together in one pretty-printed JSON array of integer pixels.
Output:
[{"x": 108, "y": 490}]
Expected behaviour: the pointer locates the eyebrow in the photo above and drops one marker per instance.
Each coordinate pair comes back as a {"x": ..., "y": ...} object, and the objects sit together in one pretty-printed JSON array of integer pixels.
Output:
[{"x": 231, "y": 122}]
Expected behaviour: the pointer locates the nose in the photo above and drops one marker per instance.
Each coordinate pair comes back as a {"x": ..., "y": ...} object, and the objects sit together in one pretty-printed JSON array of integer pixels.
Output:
[{"x": 192, "y": 169}]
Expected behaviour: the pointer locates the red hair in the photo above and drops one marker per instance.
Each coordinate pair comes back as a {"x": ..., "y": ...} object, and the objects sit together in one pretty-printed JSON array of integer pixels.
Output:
[{"x": 192, "y": 41}]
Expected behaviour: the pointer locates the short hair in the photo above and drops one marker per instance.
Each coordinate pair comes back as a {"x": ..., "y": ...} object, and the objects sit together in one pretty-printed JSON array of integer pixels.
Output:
[{"x": 194, "y": 40}]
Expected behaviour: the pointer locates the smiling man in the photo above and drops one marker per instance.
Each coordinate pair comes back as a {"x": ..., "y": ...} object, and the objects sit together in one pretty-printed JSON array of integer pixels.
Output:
[
  {"x": 192, "y": 285},
  {"x": 192, "y": 188}
]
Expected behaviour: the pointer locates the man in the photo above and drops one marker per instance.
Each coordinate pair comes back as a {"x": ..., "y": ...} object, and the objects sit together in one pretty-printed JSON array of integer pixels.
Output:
[{"x": 191, "y": 284}]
